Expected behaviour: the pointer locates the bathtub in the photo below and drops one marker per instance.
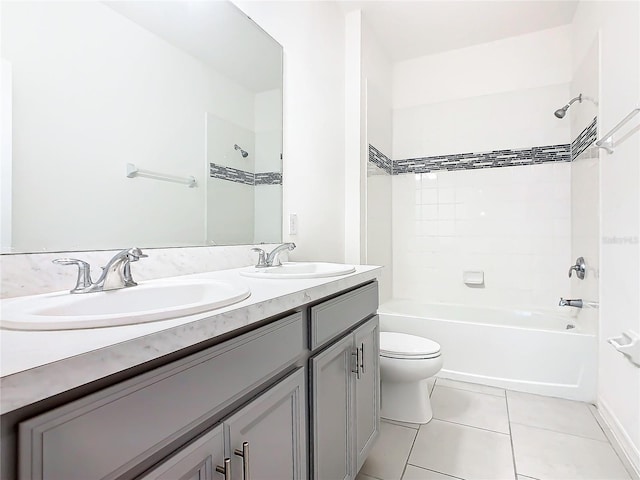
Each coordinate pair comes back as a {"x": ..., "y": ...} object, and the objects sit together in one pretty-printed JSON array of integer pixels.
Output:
[{"x": 527, "y": 351}]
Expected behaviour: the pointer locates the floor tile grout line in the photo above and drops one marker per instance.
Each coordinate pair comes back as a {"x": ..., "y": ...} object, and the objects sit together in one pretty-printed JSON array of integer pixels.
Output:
[
  {"x": 504, "y": 390},
  {"x": 513, "y": 450},
  {"x": 472, "y": 426},
  {"x": 617, "y": 448},
  {"x": 404, "y": 469},
  {"x": 397, "y": 423},
  {"x": 433, "y": 387},
  {"x": 606, "y": 440},
  {"x": 471, "y": 391},
  {"x": 436, "y": 471},
  {"x": 598, "y": 421},
  {"x": 370, "y": 476}
]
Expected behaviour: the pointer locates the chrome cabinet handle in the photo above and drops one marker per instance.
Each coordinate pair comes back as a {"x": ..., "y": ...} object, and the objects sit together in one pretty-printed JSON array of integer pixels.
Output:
[
  {"x": 226, "y": 470},
  {"x": 357, "y": 370},
  {"x": 244, "y": 453},
  {"x": 362, "y": 357}
]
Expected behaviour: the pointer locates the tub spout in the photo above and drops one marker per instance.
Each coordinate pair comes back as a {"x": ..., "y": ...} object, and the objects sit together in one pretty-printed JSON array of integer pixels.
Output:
[{"x": 570, "y": 303}]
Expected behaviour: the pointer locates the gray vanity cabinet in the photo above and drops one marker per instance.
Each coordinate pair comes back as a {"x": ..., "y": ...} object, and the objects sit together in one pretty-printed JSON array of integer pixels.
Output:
[
  {"x": 196, "y": 461},
  {"x": 346, "y": 403},
  {"x": 118, "y": 430},
  {"x": 367, "y": 389},
  {"x": 246, "y": 399},
  {"x": 267, "y": 438},
  {"x": 331, "y": 373},
  {"x": 345, "y": 383},
  {"x": 264, "y": 440}
]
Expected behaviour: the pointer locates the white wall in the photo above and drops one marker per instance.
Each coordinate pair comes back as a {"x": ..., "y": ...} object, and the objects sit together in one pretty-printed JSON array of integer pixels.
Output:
[
  {"x": 513, "y": 223},
  {"x": 619, "y": 380},
  {"x": 268, "y": 148},
  {"x": 312, "y": 34},
  {"x": 5, "y": 155},
  {"x": 355, "y": 157},
  {"x": 585, "y": 189},
  {"x": 516, "y": 63},
  {"x": 56, "y": 50},
  {"x": 492, "y": 96},
  {"x": 377, "y": 113},
  {"x": 514, "y": 119}
]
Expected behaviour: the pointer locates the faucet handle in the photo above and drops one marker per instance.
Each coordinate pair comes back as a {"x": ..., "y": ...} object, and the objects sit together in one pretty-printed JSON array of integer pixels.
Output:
[
  {"x": 262, "y": 257},
  {"x": 135, "y": 254},
  {"x": 84, "y": 272},
  {"x": 580, "y": 268}
]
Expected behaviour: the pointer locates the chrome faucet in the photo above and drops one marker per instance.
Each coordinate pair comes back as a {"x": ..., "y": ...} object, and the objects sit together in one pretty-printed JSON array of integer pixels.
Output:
[
  {"x": 272, "y": 259},
  {"x": 565, "y": 302},
  {"x": 115, "y": 275}
]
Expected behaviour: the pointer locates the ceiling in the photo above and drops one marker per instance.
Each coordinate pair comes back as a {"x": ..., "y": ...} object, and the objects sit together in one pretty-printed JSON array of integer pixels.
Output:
[{"x": 410, "y": 29}]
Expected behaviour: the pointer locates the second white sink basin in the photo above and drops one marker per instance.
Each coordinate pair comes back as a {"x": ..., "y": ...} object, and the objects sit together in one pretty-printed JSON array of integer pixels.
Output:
[
  {"x": 293, "y": 270},
  {"x": 147, "y": 302}
]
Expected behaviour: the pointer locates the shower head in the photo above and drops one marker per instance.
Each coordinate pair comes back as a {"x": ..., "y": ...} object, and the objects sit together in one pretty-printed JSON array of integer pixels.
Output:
[
  {"x": 561, "y": 112},
  {"x": 242, "y": 152}
]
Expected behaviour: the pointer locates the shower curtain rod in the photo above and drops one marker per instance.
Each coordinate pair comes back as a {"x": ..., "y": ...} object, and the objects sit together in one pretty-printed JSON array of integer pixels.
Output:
[{"x": 607, "y": 142}]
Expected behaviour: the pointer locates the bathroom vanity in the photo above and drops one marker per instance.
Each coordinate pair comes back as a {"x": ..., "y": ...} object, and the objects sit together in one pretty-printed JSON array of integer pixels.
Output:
[{"x": 287, "y": 389}]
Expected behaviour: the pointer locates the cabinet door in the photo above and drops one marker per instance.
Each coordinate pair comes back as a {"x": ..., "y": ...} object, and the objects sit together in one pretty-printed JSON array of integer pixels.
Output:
[
  {"x": 331, "y": 372},
  {"x": 196, "y": 461},
  {"x": 367, "y": 389},
  {"x": 274, "y": 428}
]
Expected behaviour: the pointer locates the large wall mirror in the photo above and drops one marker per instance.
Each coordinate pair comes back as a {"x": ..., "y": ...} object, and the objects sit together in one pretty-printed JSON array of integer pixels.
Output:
[{"x": 147, "y": 123}]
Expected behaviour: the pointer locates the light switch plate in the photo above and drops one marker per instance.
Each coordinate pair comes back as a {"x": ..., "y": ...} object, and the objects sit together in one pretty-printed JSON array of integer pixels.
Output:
[{"x": 293, "y": 224}]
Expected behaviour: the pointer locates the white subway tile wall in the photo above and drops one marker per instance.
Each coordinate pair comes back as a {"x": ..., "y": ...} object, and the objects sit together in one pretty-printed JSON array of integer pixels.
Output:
[{"x": 513, "y": 223}]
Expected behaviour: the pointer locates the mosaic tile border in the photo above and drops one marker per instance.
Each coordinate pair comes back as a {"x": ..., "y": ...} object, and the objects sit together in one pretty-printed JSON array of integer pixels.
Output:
[
  {"x": 380, "y": 160},
  {"x": 584, "y": 139},
  {"x": 268, "y": 178},
  {"x": 474, "y": 160},
  {"x": 494, "y": 159},
  {"x": 241, "y": 176},
  {"x": 477, "y": 160}
]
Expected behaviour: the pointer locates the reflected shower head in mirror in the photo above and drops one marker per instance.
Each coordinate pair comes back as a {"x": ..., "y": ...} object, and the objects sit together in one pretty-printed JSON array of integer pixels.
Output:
[
  {"x": 242, "y": 152},
  {"x": 561, "y": 112}
]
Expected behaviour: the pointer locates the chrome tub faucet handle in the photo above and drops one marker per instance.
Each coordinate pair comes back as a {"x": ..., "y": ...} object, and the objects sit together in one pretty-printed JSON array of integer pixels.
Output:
[{"x": 580, "y": 268}]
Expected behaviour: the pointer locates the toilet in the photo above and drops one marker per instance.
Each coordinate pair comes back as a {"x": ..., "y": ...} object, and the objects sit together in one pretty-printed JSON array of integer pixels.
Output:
[{"x": 406, "y": 362}]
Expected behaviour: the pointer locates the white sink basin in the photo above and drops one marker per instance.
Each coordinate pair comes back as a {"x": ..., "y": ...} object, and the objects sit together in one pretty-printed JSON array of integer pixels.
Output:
[
  {"x": 292, "y": 270},
  {"x": 147, "y": 302}
]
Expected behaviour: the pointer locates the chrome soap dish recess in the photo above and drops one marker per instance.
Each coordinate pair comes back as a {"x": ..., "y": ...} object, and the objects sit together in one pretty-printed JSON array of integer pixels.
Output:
[{"x": 580, "y": 268}]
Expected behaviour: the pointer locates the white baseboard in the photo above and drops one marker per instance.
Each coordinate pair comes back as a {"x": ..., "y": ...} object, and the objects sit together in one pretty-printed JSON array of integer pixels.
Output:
[{"x": 622, "y": 444}]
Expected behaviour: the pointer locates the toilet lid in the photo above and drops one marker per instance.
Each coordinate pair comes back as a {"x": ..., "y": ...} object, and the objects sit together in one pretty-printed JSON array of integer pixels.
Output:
[{"x": 403, "y": 345}]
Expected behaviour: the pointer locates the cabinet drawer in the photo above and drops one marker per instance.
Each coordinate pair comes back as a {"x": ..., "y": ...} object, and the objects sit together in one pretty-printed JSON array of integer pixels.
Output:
[
  {"x": 329, "y": 319},
  {"x": 105, "y": 434}
]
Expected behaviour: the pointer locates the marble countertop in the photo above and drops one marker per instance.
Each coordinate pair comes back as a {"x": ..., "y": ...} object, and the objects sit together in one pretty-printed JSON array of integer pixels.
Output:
[{"x": 39, "y": 364}]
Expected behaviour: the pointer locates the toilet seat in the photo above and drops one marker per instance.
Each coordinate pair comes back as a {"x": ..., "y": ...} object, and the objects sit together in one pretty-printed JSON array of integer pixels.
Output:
[{"x": 405, "y": 346}]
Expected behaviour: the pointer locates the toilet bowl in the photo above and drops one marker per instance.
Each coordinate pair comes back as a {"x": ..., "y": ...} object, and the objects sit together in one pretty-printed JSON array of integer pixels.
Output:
[{"x": 406, "y": 362}]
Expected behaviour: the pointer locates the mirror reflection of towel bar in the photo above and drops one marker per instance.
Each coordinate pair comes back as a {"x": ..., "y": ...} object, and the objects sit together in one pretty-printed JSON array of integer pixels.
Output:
[
  {"x": 607, "y": 142},
  {"x": 133, "y": 171}
]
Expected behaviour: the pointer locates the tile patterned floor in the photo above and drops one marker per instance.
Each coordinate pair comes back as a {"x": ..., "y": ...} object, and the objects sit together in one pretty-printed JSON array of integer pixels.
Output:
[{"x": 481, "y": 432}]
